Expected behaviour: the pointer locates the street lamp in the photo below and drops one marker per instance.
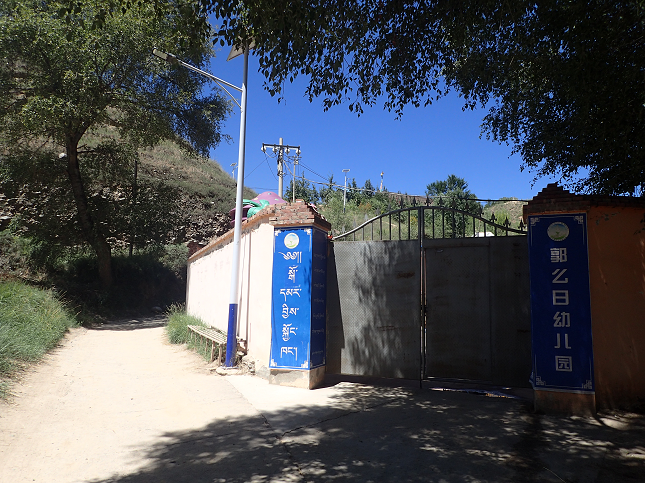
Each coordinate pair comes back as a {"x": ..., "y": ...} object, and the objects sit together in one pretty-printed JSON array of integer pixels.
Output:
[
  {"x": 231, "y": 339},
  {"x": 233, "y": 165},
  {"x": 345, "y": 190}
]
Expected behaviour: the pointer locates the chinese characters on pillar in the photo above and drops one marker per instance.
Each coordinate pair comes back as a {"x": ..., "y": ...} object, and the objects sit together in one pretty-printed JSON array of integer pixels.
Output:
[{"x": 560, "y": 303}]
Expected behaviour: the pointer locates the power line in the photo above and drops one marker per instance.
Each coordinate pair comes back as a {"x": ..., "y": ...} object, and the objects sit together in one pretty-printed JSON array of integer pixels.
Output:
[
  {"x": 280, "y": 149},
  {"x": 391, "y": 193},
  {"x": 349, "y": 188},
  {"x": 249, "y": 174},
  {"x": 307, "y": 167},
  {"x": 266, "y": 158}
]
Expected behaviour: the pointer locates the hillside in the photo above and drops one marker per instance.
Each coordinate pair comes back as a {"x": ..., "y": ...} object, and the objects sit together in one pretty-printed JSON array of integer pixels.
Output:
[
  {"x": 511, "y": 209},
  {"x": 207, "y": 191},
  {"x": 202, "y": 192}
]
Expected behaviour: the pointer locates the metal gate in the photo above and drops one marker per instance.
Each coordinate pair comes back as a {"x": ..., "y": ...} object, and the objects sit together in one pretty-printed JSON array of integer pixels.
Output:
[{"x": 430, "y": 291}]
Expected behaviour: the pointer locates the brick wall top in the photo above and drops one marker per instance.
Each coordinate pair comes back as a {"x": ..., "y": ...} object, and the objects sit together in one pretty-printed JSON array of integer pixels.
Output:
[
  {"x": 298, "y": 213},
  {"x": 281, "y": 215},
  {"x": 555, "y": 199}
]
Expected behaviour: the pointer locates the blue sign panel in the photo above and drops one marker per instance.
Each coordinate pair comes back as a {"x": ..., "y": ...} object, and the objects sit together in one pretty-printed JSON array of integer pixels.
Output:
[
  {"x": 560, "y": 303},
  {"x": 318, "y": 298},
  {"x": 292, "y": 270}
]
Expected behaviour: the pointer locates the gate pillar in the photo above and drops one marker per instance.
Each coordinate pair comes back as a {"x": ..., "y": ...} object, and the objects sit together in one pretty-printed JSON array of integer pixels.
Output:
[
  {"x": 299, "y": 293},
  {"x": 587, "y": 299}
]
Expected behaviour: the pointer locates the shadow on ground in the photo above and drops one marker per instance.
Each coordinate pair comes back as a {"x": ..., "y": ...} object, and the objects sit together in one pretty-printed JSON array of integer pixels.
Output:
[
  {"x": 133, "y": 323},
  {"x": 400, "y": 434}
]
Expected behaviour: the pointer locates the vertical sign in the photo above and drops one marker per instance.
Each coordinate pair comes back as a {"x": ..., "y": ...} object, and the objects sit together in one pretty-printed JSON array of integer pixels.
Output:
[
  {"x": 292, "y": 270},
  {"x": 318, "y": 298},
  {"x": 562, "y": 347}
]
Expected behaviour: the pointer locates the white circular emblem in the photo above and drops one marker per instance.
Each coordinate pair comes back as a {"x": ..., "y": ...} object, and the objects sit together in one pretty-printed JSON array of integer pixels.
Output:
[
  {"x": 291, "y": 241},
  {"x": 557, "y": 231}
]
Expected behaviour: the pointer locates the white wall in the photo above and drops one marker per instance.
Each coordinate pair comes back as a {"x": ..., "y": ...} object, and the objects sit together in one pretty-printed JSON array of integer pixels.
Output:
[{"x": 209, "y": 280}]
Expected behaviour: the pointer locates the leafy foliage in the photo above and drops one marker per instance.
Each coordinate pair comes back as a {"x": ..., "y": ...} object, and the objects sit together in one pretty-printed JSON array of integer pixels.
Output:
[
  {"x": 304, "y": 190},
  {"x": 61, "y": 76},
  {"x": 37, "y": 188},
  {"x": 453, "y": 192},
  {"x": 361, "y": 205},
  {"x": 563, "y": 80}
]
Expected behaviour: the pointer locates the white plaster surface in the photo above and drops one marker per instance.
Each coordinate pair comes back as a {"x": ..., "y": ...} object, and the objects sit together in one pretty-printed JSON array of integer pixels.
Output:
[{"x": 208, "y": 292}]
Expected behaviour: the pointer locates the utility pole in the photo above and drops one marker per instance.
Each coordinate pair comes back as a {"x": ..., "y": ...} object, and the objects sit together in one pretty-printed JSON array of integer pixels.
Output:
[
  {"x": 281, "y": 149},
  {"x": 293, "y": 182},
  {"x": 280, "y": 170},
  {"x": 345, "y": 190}
]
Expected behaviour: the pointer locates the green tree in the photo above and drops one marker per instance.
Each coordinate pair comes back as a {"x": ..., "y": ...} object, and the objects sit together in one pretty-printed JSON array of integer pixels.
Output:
[
  {"x": 38, "y": 189},
  {"x": 453, "y": 188},
  {"x": 61, "y": 77},
  {"x": 453, "y": 192},
  {"x": 368, "y": 190},
  {"x": 326, "y": 191},
  {"x": 304, "y": 191},
  {"x": 353, "y": 192},
  {"x": 342, "y": 217},
  {"x": 563, "y": 80}
]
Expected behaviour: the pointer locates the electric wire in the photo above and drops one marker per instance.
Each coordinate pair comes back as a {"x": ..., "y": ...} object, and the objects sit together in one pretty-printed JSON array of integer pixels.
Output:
[
  {"x": 249, "y": 174},
  {"x": 287, "y": 158}
]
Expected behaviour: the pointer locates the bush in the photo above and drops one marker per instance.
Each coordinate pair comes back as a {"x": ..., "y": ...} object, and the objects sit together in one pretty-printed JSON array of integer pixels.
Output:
[
  {"x": 13, "y": 254},
  {"x": 152, "y": 278},
  {"x": 32, "y": 321},
  {"x": 177, "y": 330},
  {"x": 178, "y": 322}
]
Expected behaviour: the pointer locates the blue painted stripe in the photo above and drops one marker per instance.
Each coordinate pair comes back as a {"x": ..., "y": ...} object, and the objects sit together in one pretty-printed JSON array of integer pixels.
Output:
[{"x": 231, "y": 342}]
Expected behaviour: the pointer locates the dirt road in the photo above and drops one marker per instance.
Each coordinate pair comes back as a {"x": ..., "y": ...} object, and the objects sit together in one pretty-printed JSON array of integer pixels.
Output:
[
  {"x": 118, "y": 404},
  {"x": 97, "y": 404}
]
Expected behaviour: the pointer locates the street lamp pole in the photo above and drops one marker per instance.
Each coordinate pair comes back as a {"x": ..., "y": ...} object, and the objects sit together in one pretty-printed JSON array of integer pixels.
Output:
[
  {"x": 231, "y": 339},
  {"x": 345, "y": 190}
]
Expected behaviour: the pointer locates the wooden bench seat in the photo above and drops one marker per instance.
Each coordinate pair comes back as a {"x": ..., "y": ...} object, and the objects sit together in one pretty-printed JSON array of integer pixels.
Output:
[{"x": 212, "y": 335}]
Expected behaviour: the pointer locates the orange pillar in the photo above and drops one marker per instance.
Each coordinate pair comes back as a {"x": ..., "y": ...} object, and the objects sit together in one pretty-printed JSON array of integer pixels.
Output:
[{"x": 616, "y": 259}]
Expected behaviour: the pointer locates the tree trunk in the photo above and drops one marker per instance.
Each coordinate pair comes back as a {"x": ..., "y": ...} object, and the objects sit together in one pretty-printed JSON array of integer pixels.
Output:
[{"x": 91, "y": 232}]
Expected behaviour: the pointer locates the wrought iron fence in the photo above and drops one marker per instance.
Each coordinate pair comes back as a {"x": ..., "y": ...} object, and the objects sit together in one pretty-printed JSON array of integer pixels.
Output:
[{"x": 435, "y": 221}]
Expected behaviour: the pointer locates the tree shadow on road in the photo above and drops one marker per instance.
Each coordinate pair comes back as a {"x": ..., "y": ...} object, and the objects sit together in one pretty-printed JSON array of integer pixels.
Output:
[
  {"x": 379, "y": 434},
  {"x": 133, "y": 323}
]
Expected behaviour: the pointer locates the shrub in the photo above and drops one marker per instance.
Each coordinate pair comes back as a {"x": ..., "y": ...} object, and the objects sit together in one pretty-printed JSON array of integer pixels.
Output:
[
  {"x": 32, "y": 321},
  {"x": 178, "y": 322}
]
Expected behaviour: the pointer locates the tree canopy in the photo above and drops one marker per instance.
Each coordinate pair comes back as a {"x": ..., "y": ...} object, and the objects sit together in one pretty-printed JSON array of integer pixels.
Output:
[
  {"x": 563, "y": 81},
  {"x": 455, "y": 193},
  {"x": 62, "y": 77}
]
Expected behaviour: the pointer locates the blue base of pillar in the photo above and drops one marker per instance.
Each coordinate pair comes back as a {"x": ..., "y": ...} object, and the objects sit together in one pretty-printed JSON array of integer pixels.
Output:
[{"x": 231, "y": 339}]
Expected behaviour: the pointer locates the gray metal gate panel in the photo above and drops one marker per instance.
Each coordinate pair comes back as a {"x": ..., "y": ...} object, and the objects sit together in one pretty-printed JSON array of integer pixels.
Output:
[
  {"x": 458, "y": 319},
  {"x": 373, "y": 309},
  {"x": 510, "y": 311},
  {"x": 478, "y": 319}
]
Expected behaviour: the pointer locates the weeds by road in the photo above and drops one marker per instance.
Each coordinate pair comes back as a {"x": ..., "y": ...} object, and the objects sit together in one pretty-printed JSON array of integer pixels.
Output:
[
  {"x": 32, "y": 321},
  {"x": 177, "y": 329}
]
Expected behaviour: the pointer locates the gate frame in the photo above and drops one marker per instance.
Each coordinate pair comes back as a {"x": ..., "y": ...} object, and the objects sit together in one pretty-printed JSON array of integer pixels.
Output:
[{"x": 420, "y": 211}]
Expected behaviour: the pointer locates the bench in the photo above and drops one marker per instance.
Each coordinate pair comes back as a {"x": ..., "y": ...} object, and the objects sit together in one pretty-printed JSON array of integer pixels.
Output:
[{"x": 209, "y": 334}]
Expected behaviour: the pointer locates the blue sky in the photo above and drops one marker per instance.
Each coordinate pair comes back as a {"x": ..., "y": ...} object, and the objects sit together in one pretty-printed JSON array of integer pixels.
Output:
[{"x": 426, "y": 145}]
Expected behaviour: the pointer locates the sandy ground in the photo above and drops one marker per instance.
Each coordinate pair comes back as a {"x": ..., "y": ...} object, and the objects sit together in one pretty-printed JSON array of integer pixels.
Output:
[
  {"x": 118, "y": 404},
  {"x": 96, "y": 404}
]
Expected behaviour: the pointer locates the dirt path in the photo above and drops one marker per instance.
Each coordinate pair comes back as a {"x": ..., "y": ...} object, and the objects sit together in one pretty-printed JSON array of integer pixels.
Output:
[
  {"x": 119, "y": 404},
  {"x": 96, "y": 406}
]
